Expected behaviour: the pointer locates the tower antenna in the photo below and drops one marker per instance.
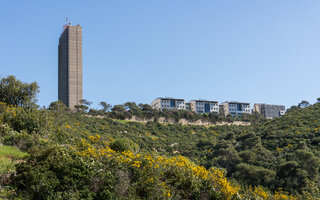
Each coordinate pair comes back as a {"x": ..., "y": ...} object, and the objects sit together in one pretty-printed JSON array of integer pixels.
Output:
[{"x": 66, "y": 25}]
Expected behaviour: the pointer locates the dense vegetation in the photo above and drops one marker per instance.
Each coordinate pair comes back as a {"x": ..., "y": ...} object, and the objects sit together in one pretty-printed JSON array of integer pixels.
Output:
[{"x": 73, "y": 156}]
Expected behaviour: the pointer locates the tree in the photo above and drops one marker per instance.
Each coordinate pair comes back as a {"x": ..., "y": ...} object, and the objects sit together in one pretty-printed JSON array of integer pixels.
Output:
[
  {"x": 105, "y": 106},
  {"x": 248, "y": 141},
  {"x": 254, "y": 175},
  {"x": 118, "y": 108},
  {"x": 57, "y": 106},
  {"x": 132, "y": 106},
  {"x": 81, "y": 108},
  {"x": 291, "y": 176},
  {"x": 85, "y": 102},
  {"x": 247, "y": 156},
  {"x": 308, "y": 162},
  {"x": 17, "y": 93},
  {"x": 303, "y": 104},
  {"x": 147, "y": 110},
  {"x": 224, "y": 155},
  {"x": 59, "y": 110},
  {"x": 84, "y": 106}
]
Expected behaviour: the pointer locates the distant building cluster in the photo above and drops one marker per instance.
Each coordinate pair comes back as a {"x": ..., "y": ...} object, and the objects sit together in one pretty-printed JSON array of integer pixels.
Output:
[{"x": 226, "y": 108}]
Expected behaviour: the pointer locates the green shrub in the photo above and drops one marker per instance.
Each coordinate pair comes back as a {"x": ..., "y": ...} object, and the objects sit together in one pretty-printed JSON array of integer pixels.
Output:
[
  {"x": 124, "y": 144},
  {"x": 22, "y": 139},
  {"x": 55, "y": 173}
]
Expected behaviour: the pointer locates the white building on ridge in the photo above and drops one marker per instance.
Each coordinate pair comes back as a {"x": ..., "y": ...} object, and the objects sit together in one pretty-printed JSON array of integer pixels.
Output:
[
  {"x": 236, "y": 108},
  {"x": 168, "y": 103},
  {"x": 204, "y": 106}
]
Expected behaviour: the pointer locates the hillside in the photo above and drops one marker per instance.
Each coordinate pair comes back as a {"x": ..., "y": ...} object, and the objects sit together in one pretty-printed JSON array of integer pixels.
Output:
[
  {"x": 261, "y": 154},
  {"x": 73, "y": 156}
]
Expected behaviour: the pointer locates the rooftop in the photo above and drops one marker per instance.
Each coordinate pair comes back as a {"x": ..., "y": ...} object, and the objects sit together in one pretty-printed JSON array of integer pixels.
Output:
[
  {"x": 203, "y": 100},
  {"x": 168, "y": 98},
  {"x": 267, "y": 104},
  {"x": 235, "y": 102}
]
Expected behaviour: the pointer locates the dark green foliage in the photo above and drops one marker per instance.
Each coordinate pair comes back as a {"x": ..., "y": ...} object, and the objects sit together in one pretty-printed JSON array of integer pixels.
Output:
[
  {"x": 31, "y": 120},
  {"x": 54, "y": 173},
  {"x": 249, "y": 141},
  {"x": 21, "y": 139},
  {"x": 105, "y": 106},
  {"x": 58, "y": 106},
  {"x": 124, "y": 144},
  {"x": 225, "y": 156},
  {"x": 308, "y": 162},
  {"x": 118, "y": 109},
  {"x": 247, "y": 156},
  {"x": 17, "y": 93},
  {"x": 253, "y": 175},
  {"x": 81, "y": 108},
  {"x": 291, "y": 176}
]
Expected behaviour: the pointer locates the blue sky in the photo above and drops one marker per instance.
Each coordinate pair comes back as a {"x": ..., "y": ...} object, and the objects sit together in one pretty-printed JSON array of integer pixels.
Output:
[{"x": 265, "y": 51}]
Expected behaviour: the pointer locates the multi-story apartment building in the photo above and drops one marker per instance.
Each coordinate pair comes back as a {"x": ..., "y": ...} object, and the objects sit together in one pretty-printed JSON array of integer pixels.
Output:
[
  {"x": 236, "y": 108},
  {"x": 168, "y": 103},
  {"x": 269, "y": 111},
  {"x": 204, "y": 106}
]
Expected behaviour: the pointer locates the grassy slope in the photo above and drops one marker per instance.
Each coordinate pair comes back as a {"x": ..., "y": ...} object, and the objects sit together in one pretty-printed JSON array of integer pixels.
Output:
[{"x": 9, "y": 156}]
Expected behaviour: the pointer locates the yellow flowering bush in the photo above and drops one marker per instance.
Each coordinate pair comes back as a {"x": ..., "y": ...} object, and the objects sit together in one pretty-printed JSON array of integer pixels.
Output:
[
  {"x": 157, "y": 172},
  {"x": 282, "y": 195},
  {"x": 260, "y": 193},
  {"x": 160, "y": 166}
]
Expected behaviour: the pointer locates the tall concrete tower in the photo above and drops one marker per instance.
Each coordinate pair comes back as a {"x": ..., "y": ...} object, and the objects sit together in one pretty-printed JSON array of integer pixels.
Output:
[{"x": 70, "y": 66}]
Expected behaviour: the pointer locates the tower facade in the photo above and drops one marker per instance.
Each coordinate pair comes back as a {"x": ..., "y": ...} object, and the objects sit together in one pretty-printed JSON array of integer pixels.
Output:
[{"x": 70, "y": 66}]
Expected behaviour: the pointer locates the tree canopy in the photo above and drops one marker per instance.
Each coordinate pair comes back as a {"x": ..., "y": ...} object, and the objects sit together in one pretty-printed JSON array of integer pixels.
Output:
[{"x": 17, "y": 93}]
